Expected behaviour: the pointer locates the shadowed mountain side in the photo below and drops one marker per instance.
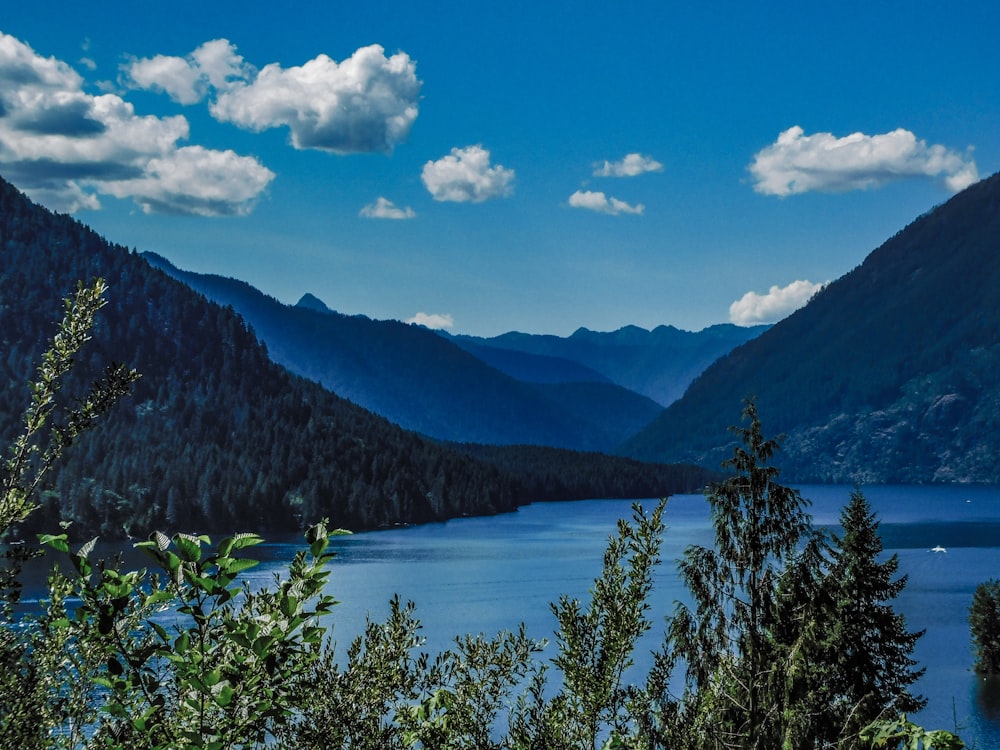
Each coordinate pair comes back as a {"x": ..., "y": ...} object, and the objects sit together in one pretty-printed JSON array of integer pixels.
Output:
[
  {"x": 550, "y": 474},
  {"x": 890, "y": 374},
  {"x": 606, "y": 409},
  {"x": 659, "y": 364},
  {"x": 215, "y": 436},
  {"x": 420, "y": 380},
  {"x": 530, "y": 368}
]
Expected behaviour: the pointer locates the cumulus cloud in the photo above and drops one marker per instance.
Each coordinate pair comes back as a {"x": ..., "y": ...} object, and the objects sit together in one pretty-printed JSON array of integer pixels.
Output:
[
  {"x": 386, "y": 209},
  {"x": 631, "y": 166},
  {"x": 466, "y": 175},
  {"x": 195, "y": 180},
  {"x": 799, "y": 163},
  {"x": 366, "y": 103},
  {"x": 433, "y": 321},
  {"x": 598, "y": 201},
  {"x": 779, "y": 302},
  {"x": 64, "y": 147},
  {"x": 187, "y": 80}
]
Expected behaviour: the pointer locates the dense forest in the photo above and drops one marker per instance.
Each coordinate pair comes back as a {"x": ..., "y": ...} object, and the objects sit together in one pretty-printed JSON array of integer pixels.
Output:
[
  {"x": 548, "y": 474},
  {"x": 215, "y": 435}
]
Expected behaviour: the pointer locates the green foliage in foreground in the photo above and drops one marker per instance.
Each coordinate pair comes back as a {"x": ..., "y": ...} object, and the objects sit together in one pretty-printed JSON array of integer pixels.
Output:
[
  {"x": 906, "y": 735},
  {"x": 50, "y": 426},
  {"x": 184, "y": 657}
]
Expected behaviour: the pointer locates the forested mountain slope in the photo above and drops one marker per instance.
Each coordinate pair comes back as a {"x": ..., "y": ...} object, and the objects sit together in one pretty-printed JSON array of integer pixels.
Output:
[
  {"x": 423, "y": 381},
  {"x": 216, "y": 436},
  {"x": 890, "y": 374}
]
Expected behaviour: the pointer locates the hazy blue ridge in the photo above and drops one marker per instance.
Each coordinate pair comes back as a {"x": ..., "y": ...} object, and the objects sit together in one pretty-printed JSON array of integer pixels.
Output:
[
  {"x": 423, "y": 381},
  {"x": 890, "y": 374},
  {"x": 659, "y": 364}
]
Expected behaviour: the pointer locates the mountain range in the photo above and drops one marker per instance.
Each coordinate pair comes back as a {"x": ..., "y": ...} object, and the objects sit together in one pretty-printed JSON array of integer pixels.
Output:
[
  {"x": 590, "y": 391},
  {"x": 217, "y": 436},
  {"x": 890, "y": 374}
]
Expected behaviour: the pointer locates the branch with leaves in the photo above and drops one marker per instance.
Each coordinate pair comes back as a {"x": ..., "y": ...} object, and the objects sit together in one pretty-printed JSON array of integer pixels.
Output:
[{"x": 48, "y": 429}]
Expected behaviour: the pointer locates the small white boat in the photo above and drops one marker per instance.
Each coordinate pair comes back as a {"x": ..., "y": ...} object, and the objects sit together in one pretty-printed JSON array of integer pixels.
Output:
[{"x": 938, "y": 548}]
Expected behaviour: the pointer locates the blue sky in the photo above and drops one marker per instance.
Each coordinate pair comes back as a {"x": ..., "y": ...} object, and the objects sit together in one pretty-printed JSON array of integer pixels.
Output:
[{"x": 488, "y": 167}]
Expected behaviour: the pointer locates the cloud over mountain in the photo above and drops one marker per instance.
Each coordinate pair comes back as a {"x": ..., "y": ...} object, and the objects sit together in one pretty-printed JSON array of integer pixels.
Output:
[
  {"x": 434, "y": 321},
  {"x": 598, "y": 201},
  {"x": 799, "y": 163},
  {"x": 632, "y": 165},
  {"x": 465, "y": 175},
  {"x": 64, "y": 147},
  {"x": 779, "y": 302},
  {"x": 383, "y": 208}
]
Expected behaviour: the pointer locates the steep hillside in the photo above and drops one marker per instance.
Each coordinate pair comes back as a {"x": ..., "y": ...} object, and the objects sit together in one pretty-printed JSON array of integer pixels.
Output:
[
  {"x": 890, "y": 374},
  {"x": 422, "y": 381},
  {"x": 216, "y": 436},
  {"x": 659, "y": 364}
]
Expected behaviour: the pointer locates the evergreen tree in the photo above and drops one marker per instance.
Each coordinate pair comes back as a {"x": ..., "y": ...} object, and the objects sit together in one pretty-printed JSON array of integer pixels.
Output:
[
  {"x": 984, "y": 620},
  {"x": 848, "y": 652},
  {"x": 874, "y": 664},
  {"x": 726, "y": 641}
]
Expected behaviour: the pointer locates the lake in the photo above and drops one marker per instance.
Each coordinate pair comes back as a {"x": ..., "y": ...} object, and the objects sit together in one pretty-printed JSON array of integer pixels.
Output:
[{"x": 489, "y": 574}]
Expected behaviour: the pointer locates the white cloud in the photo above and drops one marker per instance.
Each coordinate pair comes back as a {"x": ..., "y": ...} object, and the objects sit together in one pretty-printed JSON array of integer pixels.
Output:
[
  {"x": 466, "y": 175},
  {"x": 631, "y": 166},
  {"x": 366, "y": 103},
  {"x": 188, "y": 80},
  {"x": 384, "y": 208},
  {"x": 196, "y": 180},
  {"x": 64, "y": 147},
  {"x": 598, "y": 201},
  {"x": 432, "y": 320},
  {"x": 779, "y": 302},
  {"x": 798, "y": 163},
  {"x": 177, "y": 77}
]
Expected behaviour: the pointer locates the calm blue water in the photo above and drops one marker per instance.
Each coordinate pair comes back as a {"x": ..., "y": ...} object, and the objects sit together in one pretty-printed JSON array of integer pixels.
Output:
[{"x": 483, "y": 575}]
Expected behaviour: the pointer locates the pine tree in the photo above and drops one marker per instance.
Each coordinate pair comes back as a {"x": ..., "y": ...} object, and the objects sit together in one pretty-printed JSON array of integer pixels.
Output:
[
  {"x": 871, "y": 648},
  {"x": 726, "y": 642}
]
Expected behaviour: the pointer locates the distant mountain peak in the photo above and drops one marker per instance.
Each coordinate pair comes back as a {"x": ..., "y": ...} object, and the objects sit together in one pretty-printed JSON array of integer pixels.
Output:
[{"x": 311, "y": 302}]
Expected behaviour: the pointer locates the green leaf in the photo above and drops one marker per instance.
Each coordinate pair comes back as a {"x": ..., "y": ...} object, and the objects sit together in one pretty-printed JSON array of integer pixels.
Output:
[
  {"x": 226, "y": 546},
  {"x": 189, "y": 547},
  {"x": 238, "y": 565},
  {"x": 246, "y": 539},
  {"x": 55, "y": 541},
  {"x": 225, "y": 694}
]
